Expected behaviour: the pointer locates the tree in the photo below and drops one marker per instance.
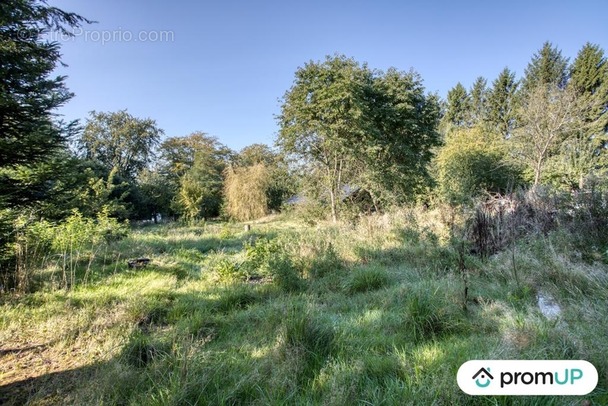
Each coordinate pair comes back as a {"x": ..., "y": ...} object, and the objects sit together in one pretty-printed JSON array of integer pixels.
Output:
[
  {"x": 350, "y": 126},
  {"x": 29, "y": 134},
  {"x": 119, "y": 140},
  {"x": 547, "y": 68},
  {"x": 257, "y": 154},
  {"x": 280, "y": 184},
  {"x": 194, "y": 165},
  {"x": 191, "y": 197},
  {"x": 479, "y": 100},
  {"x": 155, "y": 194},
  {"x": 502, "y": 103},
  {"x": 589, "y": 81},
  {"x": 458, "y": 111},
  {"x": 393, "y": 158},
  {"x": 548, "y": 118},
  {"x": 321, "y": 119},
  {"x": 245, "y": 190}
]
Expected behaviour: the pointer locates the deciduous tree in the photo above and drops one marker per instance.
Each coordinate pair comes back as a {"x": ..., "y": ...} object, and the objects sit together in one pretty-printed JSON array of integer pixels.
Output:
[{"x": 119, "y": 140}]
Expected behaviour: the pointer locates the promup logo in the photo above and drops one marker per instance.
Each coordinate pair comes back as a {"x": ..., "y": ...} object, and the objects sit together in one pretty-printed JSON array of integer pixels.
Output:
[
  {"x": 527, "y": 377},
  {"x": 483, "y": 374}
]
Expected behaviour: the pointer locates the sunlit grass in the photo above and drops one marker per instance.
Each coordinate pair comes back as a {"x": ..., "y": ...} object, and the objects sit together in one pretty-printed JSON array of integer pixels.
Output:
[{"x": 371, "y": 313}]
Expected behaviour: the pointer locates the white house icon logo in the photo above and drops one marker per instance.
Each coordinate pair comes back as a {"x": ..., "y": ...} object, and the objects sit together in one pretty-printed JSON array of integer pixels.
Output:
[{"x": 483, "y": 374}]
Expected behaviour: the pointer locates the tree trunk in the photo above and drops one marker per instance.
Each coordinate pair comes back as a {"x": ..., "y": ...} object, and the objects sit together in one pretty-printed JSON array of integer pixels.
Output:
[
  {"x": 332, "y": 197},
  {"x": 537, "y": 172}
]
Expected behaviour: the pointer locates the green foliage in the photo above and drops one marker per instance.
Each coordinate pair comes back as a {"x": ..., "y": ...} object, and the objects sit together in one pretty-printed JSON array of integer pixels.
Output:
[
  {"x": 548, "y": 116},
  {"x": 191, "y": 197},
  {"x": 119, "y": 140},
  {"x": 471, "y": 163},
  {"x": 29, "y": 91},
  {"x": 479, "y": 101},
  {"x": 280, "y": 182},
  {"x": 269, "y": 258},
  {"x": 547, "y": 68},
  {"x": 502, "y": 103},
  {"x": 33, "y": 143},
  {"x": 589, "y": 78},
  {"x": 195, "y": 165},
  {"x": 69, "y": 246},
  {"x": 346, "y": 124},
  {"x": 228, "y": 271},
  {"x": 459, "y": 107}
]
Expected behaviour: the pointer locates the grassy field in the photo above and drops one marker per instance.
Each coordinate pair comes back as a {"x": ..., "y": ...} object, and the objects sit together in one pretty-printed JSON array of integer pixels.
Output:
[{"x": 288, "y": 313}]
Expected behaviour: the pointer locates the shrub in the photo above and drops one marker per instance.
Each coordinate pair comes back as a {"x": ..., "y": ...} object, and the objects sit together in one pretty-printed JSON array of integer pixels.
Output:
[
  {"x": 68, "y": 246},
  {"x": 269, "y": 258},
  {"x": 472, "y": 162},
  {"x": 228, "y": 271}
]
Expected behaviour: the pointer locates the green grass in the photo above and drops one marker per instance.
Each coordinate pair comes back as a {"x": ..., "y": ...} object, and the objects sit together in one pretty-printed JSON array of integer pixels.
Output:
[{"x": 289, "y": 314}]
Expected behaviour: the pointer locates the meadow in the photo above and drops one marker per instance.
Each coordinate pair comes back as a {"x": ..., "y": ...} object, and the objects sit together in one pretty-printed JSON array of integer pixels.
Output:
[{"x": 367, "y": 312}]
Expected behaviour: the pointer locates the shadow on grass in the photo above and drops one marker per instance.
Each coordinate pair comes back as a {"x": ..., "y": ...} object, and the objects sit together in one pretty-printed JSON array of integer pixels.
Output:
[{"x": 48, "y": 388}]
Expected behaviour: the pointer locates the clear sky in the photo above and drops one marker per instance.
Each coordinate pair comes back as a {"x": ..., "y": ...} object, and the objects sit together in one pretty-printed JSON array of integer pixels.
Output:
[{"x": 221, "y": 66}]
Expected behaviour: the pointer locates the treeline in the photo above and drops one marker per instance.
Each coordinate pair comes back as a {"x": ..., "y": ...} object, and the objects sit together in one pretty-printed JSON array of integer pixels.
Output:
[
  {"x": 548, "y": 127},
  {"x": 352, "y": 140}
]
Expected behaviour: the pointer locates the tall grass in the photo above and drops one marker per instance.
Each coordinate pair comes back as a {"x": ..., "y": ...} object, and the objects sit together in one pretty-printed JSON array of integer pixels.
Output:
[{"x": 366, "y": 313}]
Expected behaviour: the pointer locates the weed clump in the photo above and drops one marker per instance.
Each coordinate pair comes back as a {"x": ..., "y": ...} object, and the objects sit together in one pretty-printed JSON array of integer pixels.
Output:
[
  {"x": 430, "y": 317},
  {"x": 142, "y": 350},
  {"x": 365, "y": 280},
  {"x": 237, "y": 297},
  {"x": 308, "y": 341}
]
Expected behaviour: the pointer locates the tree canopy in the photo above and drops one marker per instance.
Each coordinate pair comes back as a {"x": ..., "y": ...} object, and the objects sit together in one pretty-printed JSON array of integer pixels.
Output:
[{"x": 353, "y": 126}]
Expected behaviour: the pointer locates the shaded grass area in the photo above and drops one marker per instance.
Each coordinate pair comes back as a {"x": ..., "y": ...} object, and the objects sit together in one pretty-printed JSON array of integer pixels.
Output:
[{"x": 285, "y": 314}]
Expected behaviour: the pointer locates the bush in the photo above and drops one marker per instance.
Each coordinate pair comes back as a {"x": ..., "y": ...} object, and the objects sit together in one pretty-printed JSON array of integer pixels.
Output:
[
  {"x": 269, "y": 258},
  {"x": 472, "y": 162},
  {"x": 589, "y": 219},
  {"x": 67, "y": 246}
]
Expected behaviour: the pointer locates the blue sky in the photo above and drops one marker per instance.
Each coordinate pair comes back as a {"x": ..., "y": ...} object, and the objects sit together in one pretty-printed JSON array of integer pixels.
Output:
[{"x": 224, "y": 65}]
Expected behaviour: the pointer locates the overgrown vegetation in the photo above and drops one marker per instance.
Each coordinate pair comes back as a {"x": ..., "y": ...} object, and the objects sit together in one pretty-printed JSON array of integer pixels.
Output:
[
  {"x": 285, "y": 313},
  {"x": 451, "y": 222}
]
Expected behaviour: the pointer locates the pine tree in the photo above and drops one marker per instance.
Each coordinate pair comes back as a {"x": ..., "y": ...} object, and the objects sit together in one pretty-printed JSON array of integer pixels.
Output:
[
  {"x": 547, "y": 67},
  {"x": 29, "y": 94},
  {"x": 589, "y": 78},
  {"x": 458, "y": 111},
  {"x": 502, "y": 103},
  {"x": 479, "y": 100},
  {"x": 589, "y": 81}
]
